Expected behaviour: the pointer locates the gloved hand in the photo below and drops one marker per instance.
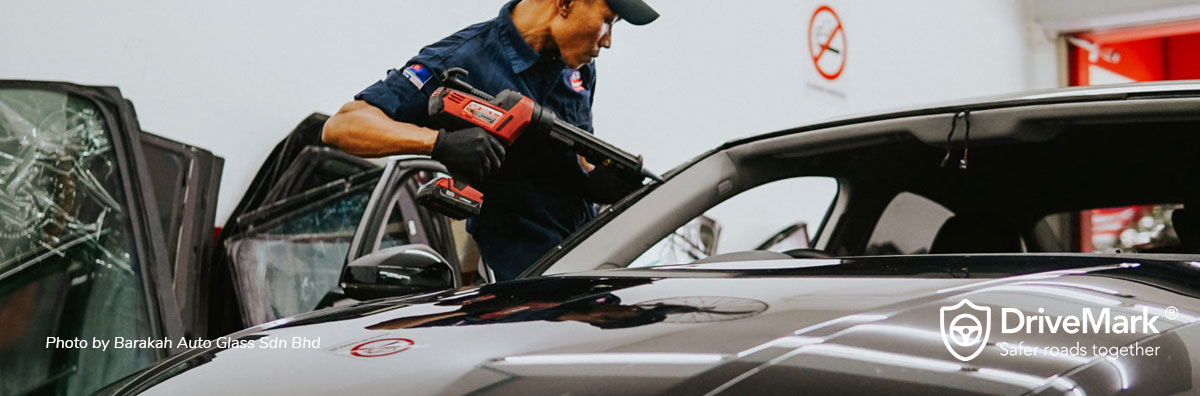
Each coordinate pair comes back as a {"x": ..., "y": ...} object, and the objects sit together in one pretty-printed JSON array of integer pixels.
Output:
[
  {"x": 469, "y": 154},
  {"x": 606, "y": 186}
]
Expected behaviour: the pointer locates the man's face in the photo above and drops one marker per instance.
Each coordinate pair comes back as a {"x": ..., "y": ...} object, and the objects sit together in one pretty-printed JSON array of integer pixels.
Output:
[{"x": 586, "y": 28}]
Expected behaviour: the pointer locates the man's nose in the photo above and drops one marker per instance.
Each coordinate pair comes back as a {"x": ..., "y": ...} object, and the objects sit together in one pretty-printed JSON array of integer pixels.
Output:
[{"x": 606, "y": 39}]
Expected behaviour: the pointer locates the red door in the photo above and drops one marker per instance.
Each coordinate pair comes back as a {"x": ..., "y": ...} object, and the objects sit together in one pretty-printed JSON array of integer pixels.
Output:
[{"x": 1148, "y": 53}]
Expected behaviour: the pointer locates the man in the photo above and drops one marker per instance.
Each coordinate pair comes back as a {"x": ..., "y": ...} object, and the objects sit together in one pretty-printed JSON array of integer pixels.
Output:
[{"x": 536, "y": 191}]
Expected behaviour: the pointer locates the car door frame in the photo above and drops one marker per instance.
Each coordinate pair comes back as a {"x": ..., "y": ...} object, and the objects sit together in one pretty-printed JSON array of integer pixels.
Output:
[
  {"x": 152, "y": 257},
  {"x": 394, "y": 175},
  {"x": 193, "y": 246},
  {"x": 303, "y": 167}
]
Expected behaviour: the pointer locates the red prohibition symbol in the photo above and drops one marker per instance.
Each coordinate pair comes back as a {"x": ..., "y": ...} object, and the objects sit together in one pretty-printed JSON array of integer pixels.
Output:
[
  {"x": 382, "y": 347},
  {"x": 827, "y": 42}
]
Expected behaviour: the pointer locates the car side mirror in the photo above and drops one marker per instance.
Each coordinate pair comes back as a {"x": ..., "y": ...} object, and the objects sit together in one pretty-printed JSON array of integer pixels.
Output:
[
  {"x": 792, "y": 237},
  {"x": 709, "y": 233},
  {"x": 398, "y": 271}
]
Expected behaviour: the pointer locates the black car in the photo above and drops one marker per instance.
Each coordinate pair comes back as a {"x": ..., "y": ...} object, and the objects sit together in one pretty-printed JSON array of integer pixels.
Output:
[{"x": 1033, "y": 244}]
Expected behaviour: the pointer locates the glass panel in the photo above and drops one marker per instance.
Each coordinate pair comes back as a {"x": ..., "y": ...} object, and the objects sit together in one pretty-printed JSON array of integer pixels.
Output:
[
  {"x": 329, "y": 170},
  {"x": 756, "y": 215},
  {"x": 695, "y": 240},
  {"x": 397, "y": 231},
  {"x": 169, "y": 172},
  {"x": 770, "y": 217},
  {"x": 67, "y": 267},
  {"x": 290, "y": 267}
]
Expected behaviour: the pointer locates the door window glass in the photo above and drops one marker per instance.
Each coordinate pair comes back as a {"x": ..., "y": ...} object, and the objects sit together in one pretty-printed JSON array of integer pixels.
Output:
[
  {"x": 68, "y": 269},
  {"x": 290, "y": 266},
  {"x": 775, "y": 216}
]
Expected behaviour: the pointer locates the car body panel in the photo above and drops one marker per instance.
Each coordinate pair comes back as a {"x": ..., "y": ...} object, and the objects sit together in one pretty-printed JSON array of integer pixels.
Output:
[
  {"x": 873, "y": 327},
  {"x": 1159, "y": 89}
]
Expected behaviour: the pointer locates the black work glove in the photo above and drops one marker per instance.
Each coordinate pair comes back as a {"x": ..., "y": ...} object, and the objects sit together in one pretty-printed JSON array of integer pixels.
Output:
[
  {"x": 469, "y": 154},
  {"x": 606, "y": 186}
]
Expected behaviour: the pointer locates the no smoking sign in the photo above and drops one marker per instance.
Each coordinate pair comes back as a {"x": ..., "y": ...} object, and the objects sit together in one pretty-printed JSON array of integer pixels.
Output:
[{"x": 827, "y": 42}]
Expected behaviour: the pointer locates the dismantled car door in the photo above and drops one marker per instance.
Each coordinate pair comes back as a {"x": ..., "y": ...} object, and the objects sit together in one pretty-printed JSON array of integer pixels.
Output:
[
  {"x": 82, "y": 252},
  {"x": 186, "y": 180},
  {"x": 298, "y": 169},
  {"x": 310, "y": 210},
  {"x": 290, "y": 254},
  {"x": 288, "y": 258}
]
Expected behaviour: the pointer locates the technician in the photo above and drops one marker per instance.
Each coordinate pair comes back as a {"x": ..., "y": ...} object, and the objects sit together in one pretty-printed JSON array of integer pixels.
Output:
[{"x": 536, "y": 192}]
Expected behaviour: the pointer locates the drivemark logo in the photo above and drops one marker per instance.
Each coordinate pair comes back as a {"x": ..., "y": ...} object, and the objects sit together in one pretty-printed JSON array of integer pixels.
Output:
[{"x": 965, "y": 329}]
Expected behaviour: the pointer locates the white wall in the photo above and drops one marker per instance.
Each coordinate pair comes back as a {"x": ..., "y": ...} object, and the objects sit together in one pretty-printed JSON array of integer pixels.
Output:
[{"x": 235, "y": 76}]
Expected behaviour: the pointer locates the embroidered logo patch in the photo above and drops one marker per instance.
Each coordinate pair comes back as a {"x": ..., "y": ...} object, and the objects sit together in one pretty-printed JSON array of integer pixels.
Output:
[
  {"x": 417, "y": 74},
  {"x": 576, "y": 81}
]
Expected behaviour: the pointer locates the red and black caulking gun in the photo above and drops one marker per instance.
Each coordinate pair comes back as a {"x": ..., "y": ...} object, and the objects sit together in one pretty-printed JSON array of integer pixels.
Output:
[{"x": 507, "y": 116}]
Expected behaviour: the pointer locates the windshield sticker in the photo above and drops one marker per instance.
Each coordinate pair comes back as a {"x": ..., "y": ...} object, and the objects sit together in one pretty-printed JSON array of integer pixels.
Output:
[{"x": 378, "y": 346}]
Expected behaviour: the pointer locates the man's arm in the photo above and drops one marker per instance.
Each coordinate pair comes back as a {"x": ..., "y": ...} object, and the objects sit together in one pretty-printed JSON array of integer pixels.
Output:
[
  {"x": 587, "y": 166},
  {"x": 362, "y": 129}
]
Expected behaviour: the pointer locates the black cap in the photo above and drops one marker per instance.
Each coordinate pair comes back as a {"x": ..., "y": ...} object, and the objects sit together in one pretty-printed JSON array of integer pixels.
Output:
[{"x": 636, "y": 12}]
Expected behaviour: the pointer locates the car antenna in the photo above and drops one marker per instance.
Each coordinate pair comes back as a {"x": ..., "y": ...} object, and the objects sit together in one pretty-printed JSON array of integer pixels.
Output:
[{"x": 966, "y": 116}]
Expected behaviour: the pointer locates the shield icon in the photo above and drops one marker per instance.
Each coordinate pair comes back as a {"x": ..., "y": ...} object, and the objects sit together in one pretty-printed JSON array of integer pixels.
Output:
[{"x": 965, "y": 329}]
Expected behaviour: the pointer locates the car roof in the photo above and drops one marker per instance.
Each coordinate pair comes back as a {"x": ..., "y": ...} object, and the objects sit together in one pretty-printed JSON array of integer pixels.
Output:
[{"x": 1025, "y": 98}]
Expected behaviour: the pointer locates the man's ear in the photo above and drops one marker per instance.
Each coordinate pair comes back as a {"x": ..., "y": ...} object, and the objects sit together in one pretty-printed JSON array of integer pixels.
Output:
[{"x": 564, "y": 7}]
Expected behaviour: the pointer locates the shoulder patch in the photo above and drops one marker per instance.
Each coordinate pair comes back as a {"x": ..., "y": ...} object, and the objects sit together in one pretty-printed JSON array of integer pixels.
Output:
[
  {"x": 417, "y": 74},
  {"x": 576, "y": 81}
]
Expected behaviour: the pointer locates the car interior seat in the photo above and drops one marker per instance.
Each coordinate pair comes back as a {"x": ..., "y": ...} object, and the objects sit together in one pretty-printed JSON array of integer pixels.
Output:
[
  {"x": 1186, "y": 227},
  {"x": 976, "y": 234}
]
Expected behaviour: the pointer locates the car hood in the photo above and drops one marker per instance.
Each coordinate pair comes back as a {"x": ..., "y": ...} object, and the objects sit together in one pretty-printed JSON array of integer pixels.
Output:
[{"x": 844, "y": 326}]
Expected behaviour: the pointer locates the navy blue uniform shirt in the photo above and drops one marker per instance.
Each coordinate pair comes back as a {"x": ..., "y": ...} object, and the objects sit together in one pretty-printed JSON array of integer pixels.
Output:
[{"x": 536, "y": 198}]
